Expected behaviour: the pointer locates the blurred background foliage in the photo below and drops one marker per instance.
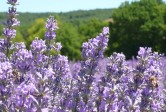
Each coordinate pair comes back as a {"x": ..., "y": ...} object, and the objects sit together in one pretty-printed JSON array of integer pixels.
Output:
[
  {"x": 140, "y": 23},
  {"x": 137, "y": 24}
]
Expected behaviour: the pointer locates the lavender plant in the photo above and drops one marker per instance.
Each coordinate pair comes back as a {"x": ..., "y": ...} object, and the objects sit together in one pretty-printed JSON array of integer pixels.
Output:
[
  {"x": 92, "y": 51},
  {"x": 6, "y": 82},
  {"x": 9, "y": 32},
  {"x": 42, "y": 80}
]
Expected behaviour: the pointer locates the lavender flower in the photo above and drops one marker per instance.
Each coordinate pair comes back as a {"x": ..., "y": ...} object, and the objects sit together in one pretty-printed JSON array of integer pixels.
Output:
[
  {"x": 9, "y": 33},
  {"x": 12, "y": 11},
  {"x": 38, "y": 80},
  {"x": 57, "y": 47},
  {"x": 11, "y": 22},
  {"x": 2, "y": 57},
  {"x": 19, "y": 46},
  {"x": 42, "y": 81},
  {"x": 6, "y": 84},
  {"x": 13, "y": 2},
  {"x": 61, "y": 66},
  {"x": 41, "y": 60},
  {"x": 3, "y": 45},
  {"x": 94, "y": 48},
  {"x": 92, "y": 51},
  {"x": 23, "y": 60},
  {"x": 22, "y": 99},
  {"x": 146, "y": 79},
  {"x": 117, "y": 65},
  {"x": 38, "y": 46},
  {"x": 51, "y": 26},
  {"x": 5, "y": 69}
]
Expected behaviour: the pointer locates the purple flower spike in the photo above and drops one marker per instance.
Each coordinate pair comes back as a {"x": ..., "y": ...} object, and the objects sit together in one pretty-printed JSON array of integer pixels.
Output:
[
  {"x": 105, "y": 30},
  {"x": 5, "y": 70},
  {"x": 51, "y": 26},
  {"x": 58, "y": 46},
  {"x": 9, "y": 33},
  {"x": 61, "y": 66},
  {"x": 24, "y": 60},
  {"x": 13, "y": 2},
  {"x": 40, "y": 79},
  {"x": 38, "y": 46},
  {"x": 12, "y": 11},
  {"x": 50, "y": 35},
  {"x": 95, "y": 47}
]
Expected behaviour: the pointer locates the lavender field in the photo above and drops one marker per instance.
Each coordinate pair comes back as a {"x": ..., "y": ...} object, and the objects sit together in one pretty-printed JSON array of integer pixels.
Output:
[{"x": 43, "y": 80}]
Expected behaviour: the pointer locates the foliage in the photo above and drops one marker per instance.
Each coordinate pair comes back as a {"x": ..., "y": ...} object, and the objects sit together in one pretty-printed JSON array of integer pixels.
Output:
[{"x": 140, "y": 23}]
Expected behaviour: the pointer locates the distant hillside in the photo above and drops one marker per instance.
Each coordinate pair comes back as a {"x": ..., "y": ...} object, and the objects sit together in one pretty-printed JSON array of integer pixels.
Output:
[
  {"x": 101, "y": 14},
  {"x": 80, "y": 15}
]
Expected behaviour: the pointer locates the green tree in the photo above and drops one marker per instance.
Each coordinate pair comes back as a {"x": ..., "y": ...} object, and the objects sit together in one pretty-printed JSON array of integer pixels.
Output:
[
  {"x": 68, "y": 35},
  {"x": 91, "y": 28},
  {"x": 36, "y": 30},
  {"x": 141, "y": 23}
]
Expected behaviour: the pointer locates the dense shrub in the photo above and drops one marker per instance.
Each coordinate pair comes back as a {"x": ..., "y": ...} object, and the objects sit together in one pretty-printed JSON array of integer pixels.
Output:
[{"x": 139, "y": 23}]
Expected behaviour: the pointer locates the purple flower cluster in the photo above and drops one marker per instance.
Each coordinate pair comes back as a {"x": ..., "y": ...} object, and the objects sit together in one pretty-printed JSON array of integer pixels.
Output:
[
  {"x": 22, "y": 99},
  {"x": 61, "y": 66},
  {"x": 95, "y": 47},
  {"x": 13, "y": 2},
  {"x": 38, "y": 46},
  {"x": 37, "y": 80},
  {"x": 92, "y": 51},
  {"x": 23, "y": 60},
  {"x": 6, "y": 72},
  {"x": 51, "y": 26}
]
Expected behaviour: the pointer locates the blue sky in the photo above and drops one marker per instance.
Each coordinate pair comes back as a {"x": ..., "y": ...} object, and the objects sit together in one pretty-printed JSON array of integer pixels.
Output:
[{"x": 61, "y": 5}]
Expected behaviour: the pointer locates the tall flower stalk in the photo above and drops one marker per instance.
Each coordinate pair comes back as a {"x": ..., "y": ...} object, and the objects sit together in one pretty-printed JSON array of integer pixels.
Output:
[
  {"x": 51, "y": 26},
  {"x": 6, "y": 67},
  {"x": 9, "y": 32},
  {"x": 92, "y": 51}
]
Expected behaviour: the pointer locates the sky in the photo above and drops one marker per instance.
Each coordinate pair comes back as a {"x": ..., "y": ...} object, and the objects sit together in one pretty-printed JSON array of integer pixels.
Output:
[{"x": 61, "y": 5}]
